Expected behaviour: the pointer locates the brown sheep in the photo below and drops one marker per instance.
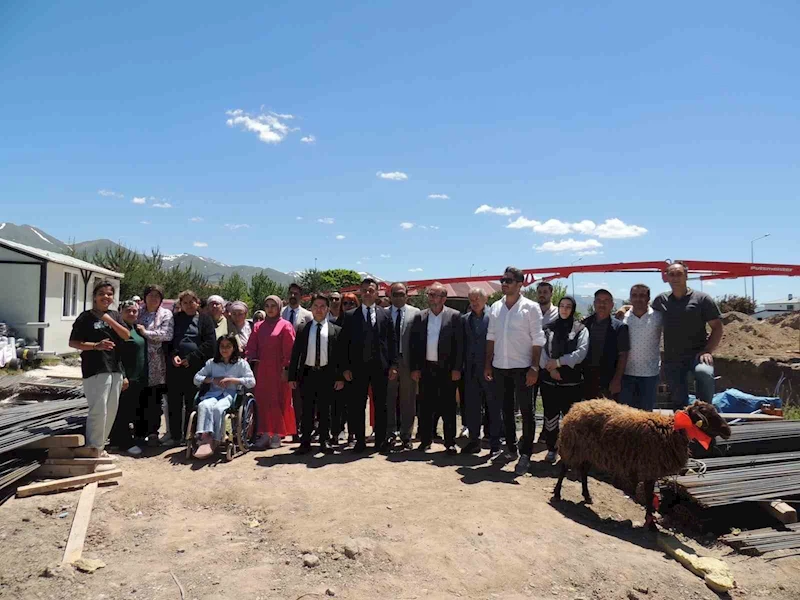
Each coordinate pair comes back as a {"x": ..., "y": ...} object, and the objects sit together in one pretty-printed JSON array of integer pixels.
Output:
[{"x": 629, "y": 444}]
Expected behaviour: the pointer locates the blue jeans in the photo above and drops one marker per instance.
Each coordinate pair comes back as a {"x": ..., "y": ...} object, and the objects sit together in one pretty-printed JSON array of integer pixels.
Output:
[
  {"x": 677, "y": 375},
  {"x": 639, "y": 392},
  {"x": 211, "y": 414}
]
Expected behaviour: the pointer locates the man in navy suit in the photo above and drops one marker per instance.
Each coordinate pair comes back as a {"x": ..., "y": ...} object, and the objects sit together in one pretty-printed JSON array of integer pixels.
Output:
[
  {"x": 369, "y": 357},
  {"x": 437, "y": 356},
  {"x": 315, "y": 365}
]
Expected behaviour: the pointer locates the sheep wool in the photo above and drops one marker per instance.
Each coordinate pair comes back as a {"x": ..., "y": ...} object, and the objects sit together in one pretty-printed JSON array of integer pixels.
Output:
[{"x": 621, "y": 441}]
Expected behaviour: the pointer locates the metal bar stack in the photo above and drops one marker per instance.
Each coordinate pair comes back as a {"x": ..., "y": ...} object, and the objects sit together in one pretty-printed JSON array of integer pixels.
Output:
[
  {"x": 742, "y": 484},
  {"x": 761, "y": 438},
  {"x": 27, "y": 423},
  {"x": 761, "y": 541}
]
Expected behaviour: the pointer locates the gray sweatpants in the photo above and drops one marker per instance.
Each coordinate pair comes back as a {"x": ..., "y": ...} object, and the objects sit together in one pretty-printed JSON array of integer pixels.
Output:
[{"x": 102, "y": 394}]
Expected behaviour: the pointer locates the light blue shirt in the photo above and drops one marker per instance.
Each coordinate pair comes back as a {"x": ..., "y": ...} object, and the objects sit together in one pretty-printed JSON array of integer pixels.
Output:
[{"x": 238, "y": 370}]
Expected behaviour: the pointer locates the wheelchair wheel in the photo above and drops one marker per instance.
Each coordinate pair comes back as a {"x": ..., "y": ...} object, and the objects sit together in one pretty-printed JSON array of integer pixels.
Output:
[
  {"x": 246, "y": 424},
  {"x": 229, "y": 452},
  {"x": 190, "y": 441}
]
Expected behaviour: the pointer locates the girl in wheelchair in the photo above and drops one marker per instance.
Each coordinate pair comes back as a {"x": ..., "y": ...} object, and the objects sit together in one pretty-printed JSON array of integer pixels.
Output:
[{"x": 226, "y": 372}]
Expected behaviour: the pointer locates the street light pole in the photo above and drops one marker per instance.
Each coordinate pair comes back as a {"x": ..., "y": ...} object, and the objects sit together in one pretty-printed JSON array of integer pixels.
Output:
[
  {"x": 572, "y": 276},
  {"x": 470, "y": 269},
  {"x": 752, "y": 260}
]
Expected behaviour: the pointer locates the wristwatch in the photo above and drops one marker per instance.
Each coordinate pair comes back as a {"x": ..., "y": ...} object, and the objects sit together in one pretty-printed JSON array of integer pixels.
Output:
[{"x": 534, "y": 369}]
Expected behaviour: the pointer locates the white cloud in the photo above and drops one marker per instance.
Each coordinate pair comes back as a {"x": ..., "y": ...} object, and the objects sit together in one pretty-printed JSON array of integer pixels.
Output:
[
  {"x": 339, "y": 237},
  {"x": 386, "y": 256},
  {"x": 569, "y": 245},
  {"x": 710, "y": 283},
  {"x": 434, "y": 227},
  {"x": 326, "y": 220},
  {"x": 235, "y": 226},
  {"x": 145, "y": 222},
  {"x": 270, "y": 127},
  {"x": 585, "y": 227},
  {"x": 417, "y": 270},
  {"x": 162, "y": 205},
  {"x": 298, "y": 218},
  {"x": 590, "y": 285},
  {"x": 520, "y": 223},
  {"x": 553, "y": 227},
  {"x": 196, "y": 219},
  {"x": 200, "y": 245},
  {"x": 438, "y": 197},
  {"x": 394, "y": 175},
  {"x": 616, "y": 229},
  {"x": 110, "y": 194},
  {"x": 139, "y": 200},
  {"x": 406, "y": 225},
  {"x": 308, "y": 139},
  {"x": 358, "y": 262},
  {"x": 496, "y": 210},
  {"x": 589, "y": 253}
]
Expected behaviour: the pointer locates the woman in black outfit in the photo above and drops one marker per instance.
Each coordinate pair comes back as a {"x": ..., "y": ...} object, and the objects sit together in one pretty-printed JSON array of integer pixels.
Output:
[{"x": 192, "y": 345}]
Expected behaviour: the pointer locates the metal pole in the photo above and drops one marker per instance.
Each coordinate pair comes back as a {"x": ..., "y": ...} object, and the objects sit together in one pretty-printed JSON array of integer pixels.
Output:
[
  {"x": 752, "y": 260},
  {"x": 470, "y": 269}
]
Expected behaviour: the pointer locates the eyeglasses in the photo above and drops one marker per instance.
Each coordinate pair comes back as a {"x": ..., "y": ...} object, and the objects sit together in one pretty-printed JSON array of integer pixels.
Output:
[
  {"x": 508, "y": 280},
  {"x": 435, "y": 295},
  {"x": 335, "y": 299},
  {"x": 398, "y": 294}
]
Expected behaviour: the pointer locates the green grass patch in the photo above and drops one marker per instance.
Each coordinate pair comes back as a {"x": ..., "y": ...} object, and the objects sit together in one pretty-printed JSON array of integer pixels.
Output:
[{"x": 791, "y": 413}]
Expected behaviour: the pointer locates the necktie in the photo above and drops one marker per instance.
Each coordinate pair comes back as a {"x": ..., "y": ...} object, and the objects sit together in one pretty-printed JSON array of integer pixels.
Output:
[
  {"x": 291, "y": 316},
  {"x": 397, "y": 331},
  {"x": 319, "y": 345}
]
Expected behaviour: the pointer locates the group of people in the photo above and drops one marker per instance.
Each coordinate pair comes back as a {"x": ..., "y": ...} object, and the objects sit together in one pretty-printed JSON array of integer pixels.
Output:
[{"x": 312, "y": 371}]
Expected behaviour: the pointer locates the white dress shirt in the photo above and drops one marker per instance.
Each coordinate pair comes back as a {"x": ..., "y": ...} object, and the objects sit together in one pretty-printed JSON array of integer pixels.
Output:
[
  {"x": 311, "y": 354},
  {"x": 371, "y": 310},
  {"x": 644, "y": 358},
  {"x": 434, "y": 327},
  {"x": 514, "y": 332},
  {"x": 549, "y": 316}
]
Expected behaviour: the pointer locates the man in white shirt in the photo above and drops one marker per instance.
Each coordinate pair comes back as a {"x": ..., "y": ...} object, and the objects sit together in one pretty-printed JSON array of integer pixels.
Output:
[
  {"x": 640, "y": 381},
  {"x": 401, "y": 393},
  {"x": 544, "y": 295},
  {"x": 315, "y": 367},
  {"x": 513, "y": 347},
  {"x": 437, "y": 357}
]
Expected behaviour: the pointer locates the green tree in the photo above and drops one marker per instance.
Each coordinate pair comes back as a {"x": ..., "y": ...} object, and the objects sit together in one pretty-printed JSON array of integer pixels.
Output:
[
  {"x": 732, "y": 302},
  {"x": 311, "y": 281},
  {"x": 234, "y": 288},
  {"x": 559, "y": 291},
  {"x": 262, "y": 286},
  {"x": 420, "y": 301},
  {"x": 336, "y": 279}
]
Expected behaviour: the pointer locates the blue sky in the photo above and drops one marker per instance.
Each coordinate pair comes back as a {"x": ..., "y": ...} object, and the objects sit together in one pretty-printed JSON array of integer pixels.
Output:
[{"x": 680, "y": 119}]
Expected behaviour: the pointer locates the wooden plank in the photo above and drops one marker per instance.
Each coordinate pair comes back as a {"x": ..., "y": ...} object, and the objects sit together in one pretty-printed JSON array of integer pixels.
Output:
[
  {"x": 64, "y": 470},
  {"x": 750, "y": 417},
  {"x": 60, "y": 453},
  {"x": 780, "y": 510},
  {"x": 72, "y": 440},
  {"x": 65, "y": 484},
  {"x": 85, "y": 452},
  {"x": 77, "y": 535},
  {"x": 79, "y": 461}
]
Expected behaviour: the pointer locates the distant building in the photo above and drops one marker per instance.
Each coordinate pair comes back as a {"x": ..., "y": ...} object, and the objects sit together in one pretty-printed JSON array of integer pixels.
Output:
[
  {"x": 781, "y": 306},
  {"x": 43, "y": 292}
]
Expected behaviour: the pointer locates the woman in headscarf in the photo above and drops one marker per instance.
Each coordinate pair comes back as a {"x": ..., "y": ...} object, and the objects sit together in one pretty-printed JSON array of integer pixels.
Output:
[
  {"x": 240, "y": 325},
  {"x": 565, "y": 348},
  {"x": 270, "y": 350},
  {"x": 259, "y": 316},
  {"x": 155, "y": 324},
  {"x": 134, "y": 360}
]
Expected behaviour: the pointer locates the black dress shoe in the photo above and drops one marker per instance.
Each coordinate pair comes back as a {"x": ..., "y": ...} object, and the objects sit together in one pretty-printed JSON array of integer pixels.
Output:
[
  {"x": 471, "y": 448},
  {"x": 326, "y": 447},
  {"x": 386, "y": 447},
  {"x": 360, "y": 447},
  {"x": 407, "y": 445},
  {"x": 451, "y": 450},
  {"x": 424, "y": 447},
  {"x": 303, "y": 449}
]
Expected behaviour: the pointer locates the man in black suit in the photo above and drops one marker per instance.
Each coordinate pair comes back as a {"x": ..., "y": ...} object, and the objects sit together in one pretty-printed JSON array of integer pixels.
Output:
[
  {"x": 315, "y": 365},
  {"x": 437, "y": 355},
  {"x": 368, "y": 357}
]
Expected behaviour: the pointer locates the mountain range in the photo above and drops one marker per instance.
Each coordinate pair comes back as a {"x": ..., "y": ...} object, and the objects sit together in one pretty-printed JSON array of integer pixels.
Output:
[{"x": 212, "y": 269}]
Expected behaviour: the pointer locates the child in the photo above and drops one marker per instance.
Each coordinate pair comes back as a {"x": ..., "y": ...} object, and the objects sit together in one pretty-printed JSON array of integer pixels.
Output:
[{"x": 225, "y": 372}]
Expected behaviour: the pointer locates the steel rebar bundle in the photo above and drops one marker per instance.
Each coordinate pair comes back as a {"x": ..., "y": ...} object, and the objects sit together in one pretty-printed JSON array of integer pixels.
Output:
[
  {"x": 22, "y": 424},
  {"x": 761, "y": 438},
  {"x": 742, "y": 484},
  {"x": 760, "y": 541}
]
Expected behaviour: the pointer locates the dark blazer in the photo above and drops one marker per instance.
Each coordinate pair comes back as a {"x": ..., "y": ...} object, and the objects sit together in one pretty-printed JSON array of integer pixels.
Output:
[
  {"x": 300, "y": 350},
  {"x": 354, "y": 329},
  {"x": 206, "y": 340},
  {"x": 475, "y": 341},
  {"x": 451, "y": 340}
]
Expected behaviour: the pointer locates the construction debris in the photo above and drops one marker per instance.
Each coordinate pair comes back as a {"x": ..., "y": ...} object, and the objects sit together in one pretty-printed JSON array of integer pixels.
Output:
[
  {"x": 65, "y": 484},
  {"x": 761, "y": 541},
  {"x": 23, "y": 425},
  {"x": 714, "y": 571}
]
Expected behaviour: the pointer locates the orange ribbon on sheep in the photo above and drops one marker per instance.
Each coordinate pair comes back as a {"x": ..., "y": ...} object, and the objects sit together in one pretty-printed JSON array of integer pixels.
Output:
[{"x": 684, "y": 422}]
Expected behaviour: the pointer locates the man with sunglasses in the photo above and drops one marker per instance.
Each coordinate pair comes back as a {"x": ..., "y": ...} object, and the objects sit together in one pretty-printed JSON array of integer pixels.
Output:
[
  {"x": 640, "y": 381},
  {"x": 402, "y": 392},
  {"x": 437, "y": 357},
  {"x": 335, "y": 311},
  {"x": 369, "y": 358},
  {"x": 513, "y": 346}
]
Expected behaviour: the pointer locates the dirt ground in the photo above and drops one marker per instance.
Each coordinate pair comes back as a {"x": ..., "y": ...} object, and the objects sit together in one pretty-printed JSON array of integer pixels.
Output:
[
  {"x": 416, "y": 526},
  {"x": 745, "y": 338}
]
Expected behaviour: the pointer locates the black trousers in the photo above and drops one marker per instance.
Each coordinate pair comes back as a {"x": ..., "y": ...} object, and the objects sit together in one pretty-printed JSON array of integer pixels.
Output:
[
  {"x": 180, "y": 398},
  {"x": 593, "y": 387},
  {"x": 297, "y": 404},
  {"x": 557, "y": 400},
  {"x": 149, "y": 414},
  {"x": 318, "y": 393},
  {"x": 338, "y": 411},
  {"x": 365, "y": 374},
  {"x": 121, "y": 433},
  {"x": 510, "y": 388},
  {"x": 437, "y": 392}
]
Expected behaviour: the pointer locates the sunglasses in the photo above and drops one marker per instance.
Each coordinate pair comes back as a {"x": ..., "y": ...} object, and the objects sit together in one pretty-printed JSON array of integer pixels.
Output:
[
  {"x": 398, "y": 294},
  {"x": 335, "y": 299},
  {"x": 508, "y": 280}
]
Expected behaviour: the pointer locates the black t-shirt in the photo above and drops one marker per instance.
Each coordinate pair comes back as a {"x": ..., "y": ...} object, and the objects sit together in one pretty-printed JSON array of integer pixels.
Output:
[
  {"x": 90, "y": 328},
  {"x": 685, "y": 321}
]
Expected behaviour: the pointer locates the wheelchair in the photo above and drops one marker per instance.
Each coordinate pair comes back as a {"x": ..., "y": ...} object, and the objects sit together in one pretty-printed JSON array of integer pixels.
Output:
[{"x": 239, "y": 430}]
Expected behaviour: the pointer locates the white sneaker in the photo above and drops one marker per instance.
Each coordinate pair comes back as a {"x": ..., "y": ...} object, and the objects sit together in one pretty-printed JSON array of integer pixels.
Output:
[
  {"x": 523, "y": 464},
  {"x": 275, "y": 442},
  {"x": 551, "y": 457},
  {"x": 134, "y": 451},
  {"x": 464, "y": 432}
]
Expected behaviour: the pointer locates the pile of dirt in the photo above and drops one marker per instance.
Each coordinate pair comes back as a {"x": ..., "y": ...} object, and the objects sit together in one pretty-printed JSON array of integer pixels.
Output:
[{"x": 746, "y": 338}]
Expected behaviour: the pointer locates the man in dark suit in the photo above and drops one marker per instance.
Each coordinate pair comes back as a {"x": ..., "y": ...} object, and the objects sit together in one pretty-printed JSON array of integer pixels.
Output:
[
  {"x": 368, "y": 357},
  {"x": 315, "y": 366},
  {"x": 437, "y": 356}
]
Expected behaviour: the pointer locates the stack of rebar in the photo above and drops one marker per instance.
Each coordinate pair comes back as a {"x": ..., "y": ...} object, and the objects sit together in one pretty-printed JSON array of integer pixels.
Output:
[
  {"x": 761, "y": 541},
  {"x": 20, "y": 425},
  {"x": 742, "y": 484},
  {"x": 13, "y": 469},
  {"x": 731, "y": 462},
  {"x": 761, "y": 438}
]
